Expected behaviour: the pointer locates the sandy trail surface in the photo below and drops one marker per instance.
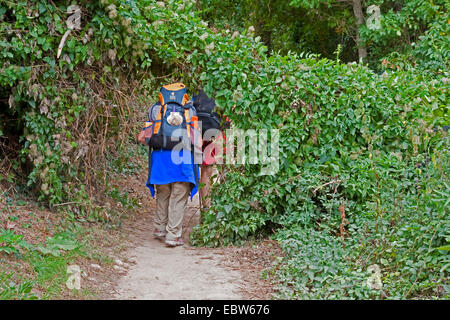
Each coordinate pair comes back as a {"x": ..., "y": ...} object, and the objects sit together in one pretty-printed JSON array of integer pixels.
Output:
[
  {"x": 178, "y": 273},
  {"x": 160, "y": 272}
]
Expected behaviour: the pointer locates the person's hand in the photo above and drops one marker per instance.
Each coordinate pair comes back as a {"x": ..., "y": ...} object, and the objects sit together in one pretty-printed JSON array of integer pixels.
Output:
[{"x": 144, "y": 136}]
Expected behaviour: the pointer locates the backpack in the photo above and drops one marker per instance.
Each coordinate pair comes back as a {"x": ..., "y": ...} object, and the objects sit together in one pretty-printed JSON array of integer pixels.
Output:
[
  {"x": 173, "y": 112},
  {"x": 205, "y": 108}
]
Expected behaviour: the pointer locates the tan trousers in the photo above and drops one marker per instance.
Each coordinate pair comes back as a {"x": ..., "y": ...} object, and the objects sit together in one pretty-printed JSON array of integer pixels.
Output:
[{"x": 171, "y": 201}]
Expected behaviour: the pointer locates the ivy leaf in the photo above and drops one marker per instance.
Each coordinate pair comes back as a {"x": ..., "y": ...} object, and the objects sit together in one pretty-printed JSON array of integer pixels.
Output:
[
  {"x": 228, "y": 208},
  {"x": 271, "y": 106}
]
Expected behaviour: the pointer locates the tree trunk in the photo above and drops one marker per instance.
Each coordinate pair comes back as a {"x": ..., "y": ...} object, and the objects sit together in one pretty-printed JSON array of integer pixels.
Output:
[{"x": 359, "y": 15}]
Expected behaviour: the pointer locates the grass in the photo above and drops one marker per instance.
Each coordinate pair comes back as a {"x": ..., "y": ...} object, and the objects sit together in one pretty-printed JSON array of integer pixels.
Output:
[
  {"x": 11, "y": 289},
  {"x": 43, "y": 271},
  {"x": 36, "y": 249},
  {"x": 51, "y": 271}
]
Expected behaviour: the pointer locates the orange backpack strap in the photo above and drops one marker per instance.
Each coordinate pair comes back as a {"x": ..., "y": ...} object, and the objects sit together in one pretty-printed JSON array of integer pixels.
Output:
[
  {"x": 197, "y": 137},
  {"x": 188, "y": 122},
  {"x": 185, "y": 99},
  {"x": 192, "y": 128}
]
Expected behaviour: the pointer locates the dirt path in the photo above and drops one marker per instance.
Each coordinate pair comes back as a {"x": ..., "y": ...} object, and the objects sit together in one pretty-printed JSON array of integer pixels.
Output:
[
  {"x": 178, "y": 273},
  {"x": 159, "y": 272}
]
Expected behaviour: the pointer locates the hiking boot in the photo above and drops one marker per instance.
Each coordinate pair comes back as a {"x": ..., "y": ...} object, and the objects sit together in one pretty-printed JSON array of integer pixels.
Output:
[
  {"x": 175, "y": 242},
  {"x": 159, "y": 233}
]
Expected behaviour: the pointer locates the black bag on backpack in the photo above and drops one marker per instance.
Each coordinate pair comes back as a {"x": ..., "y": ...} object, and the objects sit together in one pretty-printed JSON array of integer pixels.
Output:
[{"x": 205, "y": 107}]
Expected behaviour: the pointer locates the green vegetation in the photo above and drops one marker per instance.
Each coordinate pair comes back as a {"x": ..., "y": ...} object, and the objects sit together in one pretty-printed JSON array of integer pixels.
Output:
[
  {"x": 413, "y": 32},
  {"x": 11, "y": 290},
  {"x": 364, "y": 166},
  {"x": 38, "y": 269},
  {"x": 48, "y": 263}
]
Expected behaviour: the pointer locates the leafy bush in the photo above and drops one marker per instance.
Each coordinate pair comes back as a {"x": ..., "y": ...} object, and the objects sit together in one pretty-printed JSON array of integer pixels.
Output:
[
  {"x": 336, "y": 118},
  {"x": 68, "y": 121},
  {"x": 403, "y": 231}
]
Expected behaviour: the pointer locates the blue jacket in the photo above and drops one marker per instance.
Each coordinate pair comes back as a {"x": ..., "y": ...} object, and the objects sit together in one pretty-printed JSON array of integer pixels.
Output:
[{"x": 163, "y": 169}]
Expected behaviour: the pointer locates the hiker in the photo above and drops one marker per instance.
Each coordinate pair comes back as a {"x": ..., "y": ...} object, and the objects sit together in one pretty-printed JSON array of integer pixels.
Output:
[
  {"x": 212, "y": 144},
  {"x": 172, "y": 171}
]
